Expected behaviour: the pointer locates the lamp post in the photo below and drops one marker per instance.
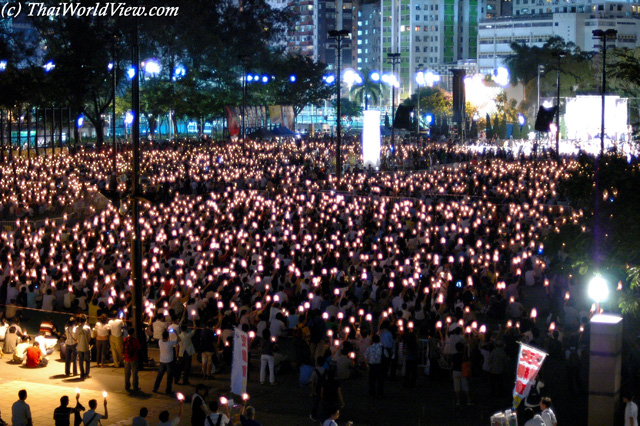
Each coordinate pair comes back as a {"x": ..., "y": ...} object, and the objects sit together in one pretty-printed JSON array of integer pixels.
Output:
[
  {"x": 521, "y": 121},
  {"x": 393, "y": 59},
  {"x": 420, "y": 82},
  {"x": 559, "y": 55},
  {"x": 540, "y": 69},
  {"x": 136, "y": 243},
  {"x": 338, "y": 36},
  {"x": 244, "y": 59},
  {"x": 603, "y": 36},
  {"x": 113, "y": 111}
]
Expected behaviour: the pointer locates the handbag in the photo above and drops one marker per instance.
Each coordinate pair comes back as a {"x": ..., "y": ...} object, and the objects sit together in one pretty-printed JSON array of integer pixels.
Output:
[{"x": 466, "y": 369}]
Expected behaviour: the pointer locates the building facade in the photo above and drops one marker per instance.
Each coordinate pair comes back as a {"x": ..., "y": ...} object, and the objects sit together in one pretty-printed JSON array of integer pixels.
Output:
[{"x": 534, "y": 26}]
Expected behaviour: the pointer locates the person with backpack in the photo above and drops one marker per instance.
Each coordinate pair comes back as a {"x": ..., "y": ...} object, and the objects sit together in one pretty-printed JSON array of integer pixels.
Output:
[
  {"x": 131, "y": 346},
  {"x": 216, "y": 418},
  {"x": 317, "y": 381}
]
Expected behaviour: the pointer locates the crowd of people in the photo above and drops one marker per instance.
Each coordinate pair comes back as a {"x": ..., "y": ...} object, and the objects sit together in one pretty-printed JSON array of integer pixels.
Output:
[{"x": 382, "y": 271}]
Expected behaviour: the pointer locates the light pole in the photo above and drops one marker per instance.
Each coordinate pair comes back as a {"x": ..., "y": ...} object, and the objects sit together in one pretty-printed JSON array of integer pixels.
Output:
[
  {"x": 521, "y": 121},
  {"x": 113, "y": 112},
  {"x": 603, "y": 36},
  {"x": 420, "y": 82},
  {"x": 338, "y": 36},
  {"x": 559, "y": 55},
  {"x": 243, "y": 59},
  {"x": 540, "y": 69},
  {"x": 393, "y": 59}
]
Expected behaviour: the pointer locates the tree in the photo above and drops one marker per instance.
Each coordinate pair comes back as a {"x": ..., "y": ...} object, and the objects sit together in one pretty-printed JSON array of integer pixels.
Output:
[
  {"x": 369, "y": 90},
  {"x": 308, "y": 87},
  {"x": 349, "y": 109},
  {"x": 618, "y": 223},
  {"x": 433, "y": 100},
  {"x": 576, "y": 73},
  {"x": 624, "y": 70}
]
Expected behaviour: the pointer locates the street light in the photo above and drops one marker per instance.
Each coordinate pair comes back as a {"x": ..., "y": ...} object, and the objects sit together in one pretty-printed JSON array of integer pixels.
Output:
[
  {"x": 3, "y": 65},
  {"x": 598, "y": 290},
  {"x": 521, "y": 121},
  {"x": 49, "y": 66},
  {"x": 394, "y": 59},
  {"x": 603, "y": 36},
  {"x": 338, "y": 36}
]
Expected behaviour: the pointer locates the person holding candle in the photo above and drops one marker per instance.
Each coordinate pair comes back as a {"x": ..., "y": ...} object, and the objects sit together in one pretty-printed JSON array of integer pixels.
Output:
[
  {"x": 164, "y": 416},
  {"x": 185, "y": 352},
  {"x": 91, "y": 417},
  {"x": 62, "y": 413},
  {"x": 219, "y": 413}
]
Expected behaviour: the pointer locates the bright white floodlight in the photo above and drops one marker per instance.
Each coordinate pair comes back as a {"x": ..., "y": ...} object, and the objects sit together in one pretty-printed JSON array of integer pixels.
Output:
[
  {"x": 598, "y": 289},
  {"x": 152, "y": 67}
]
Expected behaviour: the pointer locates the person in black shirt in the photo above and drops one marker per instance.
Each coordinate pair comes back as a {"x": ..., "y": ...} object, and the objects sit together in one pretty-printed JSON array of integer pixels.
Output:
[
  {"x": 62, "y": 413},
  {"x": 199, "y": 409}
]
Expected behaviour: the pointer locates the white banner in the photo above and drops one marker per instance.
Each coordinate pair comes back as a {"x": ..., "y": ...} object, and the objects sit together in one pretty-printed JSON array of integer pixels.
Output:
[
  {"x": 530, "y": 361},
  {"x": 240, "y": 362}
]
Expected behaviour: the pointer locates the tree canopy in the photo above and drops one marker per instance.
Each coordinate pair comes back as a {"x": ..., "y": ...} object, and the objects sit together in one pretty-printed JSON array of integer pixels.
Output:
[{"x": 215, "y": 43}]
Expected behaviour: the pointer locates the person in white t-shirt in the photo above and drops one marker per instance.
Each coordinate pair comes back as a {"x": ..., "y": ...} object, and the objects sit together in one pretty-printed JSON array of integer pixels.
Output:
[
  {"x": 630, "y": 410},
  {"x": 547, "y": 414},
  {"x": 167, "y": 355}
]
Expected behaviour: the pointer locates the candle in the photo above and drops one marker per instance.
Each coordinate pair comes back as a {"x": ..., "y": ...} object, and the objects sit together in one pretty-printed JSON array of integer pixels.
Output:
[
  {"x": 78, "y": 391},
  {"x": 534, "y": 313},
  {"x": 245, "y": 396},
  {"x": 223, "y": 400},
  {"x": 368, "y": 317},
  {"x": 179, "y": 396},
  {"x": 104, "y": 394}
]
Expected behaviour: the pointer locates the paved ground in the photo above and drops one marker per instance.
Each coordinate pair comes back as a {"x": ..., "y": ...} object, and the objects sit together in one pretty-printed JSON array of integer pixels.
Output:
[{"x": 430, "y": 403}]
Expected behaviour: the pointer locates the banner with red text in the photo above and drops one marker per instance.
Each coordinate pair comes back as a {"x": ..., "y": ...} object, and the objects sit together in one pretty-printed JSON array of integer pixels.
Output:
[
  {"x": 530, "y": 361},
  {"x": 240, "y": 362}
]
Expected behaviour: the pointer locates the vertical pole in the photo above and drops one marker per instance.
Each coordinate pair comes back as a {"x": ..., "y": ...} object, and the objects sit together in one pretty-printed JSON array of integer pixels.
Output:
[
  {"x": 75, "y": 142},
  {"x": 339, "y": 113},
  {"x": 44, "y": 130},
  {"x": 19, "y": 131},
  {"x": 61, "y": 120},
  {"x": 244, "y": 101},
  {"x": 136, "y": 243},
  {"x": 28, "y": 115},
  {"x": 36, "y": 135},
  {"x": 603, "y": 89},
  {"x": 53, "y": 132},
  {"x": 2, "y": 136},
  {"x": 558, "y": 111},
  {"x": 113, "y": 111}
]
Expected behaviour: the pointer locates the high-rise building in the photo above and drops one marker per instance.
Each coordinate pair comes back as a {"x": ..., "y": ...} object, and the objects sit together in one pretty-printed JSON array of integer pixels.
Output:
[
  {"x": 314, "y": 20},
  {"x": 536, "y": 21},
  {"x": 438, "y": 34}
]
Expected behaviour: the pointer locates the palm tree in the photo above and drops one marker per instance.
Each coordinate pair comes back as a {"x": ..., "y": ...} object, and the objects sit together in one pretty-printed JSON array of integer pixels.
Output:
[{"x": 368, "y": 89}]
